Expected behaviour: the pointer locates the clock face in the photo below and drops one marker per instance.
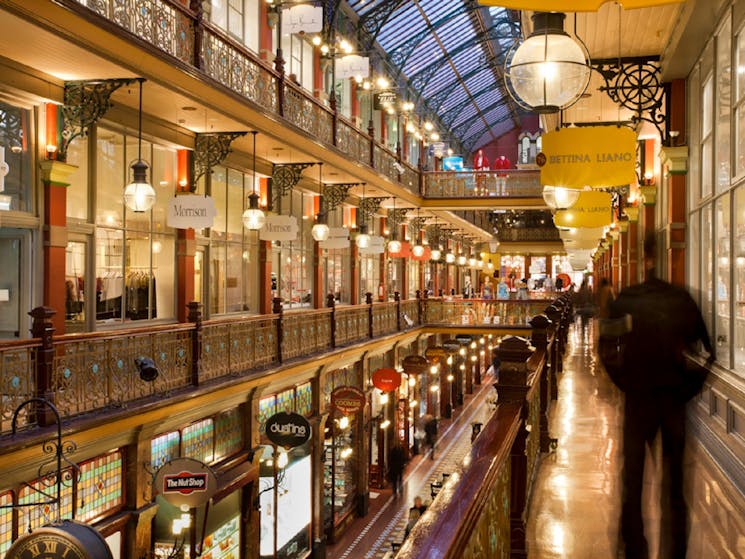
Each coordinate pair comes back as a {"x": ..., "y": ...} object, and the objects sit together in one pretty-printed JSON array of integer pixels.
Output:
[{"x": 45, "y": 546}]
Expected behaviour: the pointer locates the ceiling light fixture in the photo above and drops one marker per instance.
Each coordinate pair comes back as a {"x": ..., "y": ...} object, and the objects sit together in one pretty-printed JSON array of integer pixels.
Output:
[{"x": 139, "y": 195}]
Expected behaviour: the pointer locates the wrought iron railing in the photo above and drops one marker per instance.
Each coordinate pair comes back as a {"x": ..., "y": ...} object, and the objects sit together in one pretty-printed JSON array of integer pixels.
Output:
[
  {"x": 513, "y": 183},
  {"x": 188, "y": 37},
  {"x": 88, "y": 372}
]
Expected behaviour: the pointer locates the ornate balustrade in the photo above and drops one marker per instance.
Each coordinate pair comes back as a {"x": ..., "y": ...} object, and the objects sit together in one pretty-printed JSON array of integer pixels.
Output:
[
  {"x": 513, "y": 312},
  {"x": 514, "y": 183},
  {"x": 188, "y": 37},
  {"x": 86, "y": 372}
]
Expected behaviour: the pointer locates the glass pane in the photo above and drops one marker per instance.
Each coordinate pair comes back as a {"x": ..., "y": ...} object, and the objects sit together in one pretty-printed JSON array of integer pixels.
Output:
[
  {"x": 164, "y": 177},
  {"x": 109, "y": 178},
  {"x": 216, "y": 275},
  {"x": 219, "y": 195},
  {"x": 234, "y": 278},
  {"x": 740, "y": 138},
  {"x": 15, "y": 139},
  {"x": 197, "y": 441},
  {"x": 10, "y": 287},
  {"x": 707, "y": 259},
  {"x": 706, "y": 168},
  {"x": 163, "y": 448},
  {"x": 77, "y": 192},
  {"x": 739, "y": 255},
  {"x": 109, "y": 273},
  {"x": 228, "y": 433},
  {"x": 724, "y": 92},
  {"x": 235, "y": 205},
  {"x": 694, "y": 253},
  {"x": 163, "y": 277},
  {"x": 723, "y": 284},
  {"x": 706, "y": 107},
  {"x": 740, "y": 58},
  {"x": 6, "y": 521},
  {"x": 100, "y": 487},
  {"x": 74, "y": 292},
  {"x": 140, "y": 299}
]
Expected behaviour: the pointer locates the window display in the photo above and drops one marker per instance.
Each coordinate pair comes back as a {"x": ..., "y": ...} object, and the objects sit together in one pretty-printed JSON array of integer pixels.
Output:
[
  {"x": 292, "y": 514},
  {"x": 10, "y": 284},
  {"x": 722, "y": 333},
  {"x": 16, "y": 123},
  {"x": 339, "y": 469},
  {"x": 74, "y": 286},
  {"x": 293, "y": 260}
]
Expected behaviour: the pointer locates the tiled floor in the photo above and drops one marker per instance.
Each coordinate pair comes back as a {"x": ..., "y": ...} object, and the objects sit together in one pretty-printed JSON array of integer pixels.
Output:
[
  {"x": 371, "y": 537},
  {"x": 576, "y": 500}
]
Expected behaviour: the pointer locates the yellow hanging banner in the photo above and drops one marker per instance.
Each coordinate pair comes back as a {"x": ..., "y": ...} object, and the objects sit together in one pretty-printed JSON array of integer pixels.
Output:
[
  {"x": 596, "y": 156},
  {"x": 593, "y": 209}
]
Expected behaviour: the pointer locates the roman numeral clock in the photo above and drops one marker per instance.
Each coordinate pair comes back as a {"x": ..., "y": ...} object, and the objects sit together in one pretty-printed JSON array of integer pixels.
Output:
[{"x": 66, "y": 540}]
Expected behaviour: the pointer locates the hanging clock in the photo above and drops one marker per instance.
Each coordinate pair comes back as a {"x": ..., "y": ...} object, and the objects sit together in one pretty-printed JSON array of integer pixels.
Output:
[{"x": 67, "y": 540}]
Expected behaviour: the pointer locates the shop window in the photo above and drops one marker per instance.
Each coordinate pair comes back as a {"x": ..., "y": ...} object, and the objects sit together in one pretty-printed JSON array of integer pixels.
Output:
[
  {"x": 723, "y": 263},
  {"x": 339, "y": 466},
  {"x": 228, "y": 434},
  {"x": 99, "y": 487},
  {"x": 299, "y": 63},
  {"x": 77, "y": 192},
  {"x": 286, "y": 400},
  {"x": 16, "y": 139},
  {"x": 723, "y": 109},
  {"x": 409, "y": 291},
  {"x": 10, "y": 283},
  {"x": 198, "y": 440},
  {"x": 707, "y": 140},
  {"x": 234, "y": 267},
  {"x": 694, "y": 254},
  {"x": 707, "y": 262},
  {"x": 75, "y": 258},
  {"x": 267, "y": 408},
  {"x": 164, "y": 448},
  {"x": 292, "y": 262},
  {"x": 304, "y": 399},
  {"x": 135, "y": 263},
  {"x": 240, "y": 18},
  {"x": 739, "y": 287},
  {"x": 298, "y": 399},
  {"x": 290, "y": 514},
  {"x": 6, "y": 521}
]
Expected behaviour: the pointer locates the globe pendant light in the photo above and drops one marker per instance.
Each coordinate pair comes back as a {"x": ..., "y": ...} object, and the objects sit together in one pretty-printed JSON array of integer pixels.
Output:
[
  {"x": 139, "y": 195},
  {"x": 418, "y": 250},
  {"x": 253, "y": 218},
  {"x": 394, "y": 246},
  {"x": 461, "y": 260},
  {"x": 450, "y": 258},
  {"x": 550, "y": 70},
  {"x": 362, "y": 240},
  {"x": 320, "y": 230},
  {"x": 560, "y": 197},
  {"x": 435, "y": 254}
]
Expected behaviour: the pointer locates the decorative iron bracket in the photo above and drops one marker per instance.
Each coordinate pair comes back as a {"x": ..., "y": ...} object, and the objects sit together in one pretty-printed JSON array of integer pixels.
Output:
[
  {"x": 434, "y": 233},
  {"x": 86, "y": 101},
  {"x": 335, "y": 193},
  {"x": 415, "y": 225},
  {"x": 636, "y": 84},
  {"x": 396, "y": 216},
  {"x": 285, "y": 176},
  {"x": 368, "y": 206},
  {"x": 49, "y": 477},
  {"x": 211, "y": 150}
]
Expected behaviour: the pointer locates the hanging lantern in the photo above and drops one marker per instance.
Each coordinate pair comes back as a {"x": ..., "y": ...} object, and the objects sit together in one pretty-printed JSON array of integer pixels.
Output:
[
  {"x": 139, "y": 195},
  {"x": 560, "y": 197},
  {"x": 362, "y": 240},
  {"x": 417, "y": 250},
  {"x": 450, "y": 258},
  {"x": 253, "y": 218},
  {"x": 435, "y": 254},
  {"x": 394, "y": 246},
  {"x": 320, "y": 230},
  {"x": 461, "y": 260},
  {"x": 493, "y": 244},
  {"x": 550, "y": 70}
]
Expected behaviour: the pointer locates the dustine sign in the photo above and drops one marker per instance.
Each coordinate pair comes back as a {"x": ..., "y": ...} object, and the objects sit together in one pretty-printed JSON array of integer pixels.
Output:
[
  {"x": 386, "y": 379},
  {"x": 288, "y": 429},
  {"x": 595, "y": 156},
  {"x": 279, "y": 228},
  {"x": 348, "y": 399},
  {"x": 191, "y": 211},
  {"x": 185, "y": 481}
]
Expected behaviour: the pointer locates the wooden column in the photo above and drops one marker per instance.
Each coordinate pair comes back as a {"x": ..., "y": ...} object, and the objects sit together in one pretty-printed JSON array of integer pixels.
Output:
[
  {"x": 186, "y": 244},
  {"x": 265, "y": 259},
  {"x": 354, "y": 254},
  {"x": 55, "y": 178}
]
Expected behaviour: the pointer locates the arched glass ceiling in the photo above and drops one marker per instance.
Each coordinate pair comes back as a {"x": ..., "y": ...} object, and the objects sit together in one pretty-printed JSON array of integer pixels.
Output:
[{"x": 452, "y": 53}]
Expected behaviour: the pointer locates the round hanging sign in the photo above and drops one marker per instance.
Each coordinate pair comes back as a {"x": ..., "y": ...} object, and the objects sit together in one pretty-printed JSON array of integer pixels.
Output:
[
  {"x": 348, "y": 399},
  {"x": 451, "y": 346},
  {"x": 67, "y": 540},
  {"x": 414, "y": 364},
  {"x": 386, "y": 379},
  {"x": 288, "y": 429},
  {"x": 185, "y": 481},
  {"x": 435, "y": 354}
]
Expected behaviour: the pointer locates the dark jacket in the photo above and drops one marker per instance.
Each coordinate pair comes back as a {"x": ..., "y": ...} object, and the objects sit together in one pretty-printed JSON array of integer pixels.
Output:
[
  {"x": 396, "y": 461},
  {"x": 665, "y": 321}
]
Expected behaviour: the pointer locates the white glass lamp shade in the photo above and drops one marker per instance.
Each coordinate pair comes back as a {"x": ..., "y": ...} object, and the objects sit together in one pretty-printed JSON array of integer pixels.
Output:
[
  {"x": 362, "y": 240},
  {"x": 418, "y": 251},
  {"x": 394, "y": 246},
  {"x": 253, "y": 218},
  {"x": 461, "y": 260},
  {"x": 472, "y": 262},
  {"x": 449, "y": 258},
  {"x": 549, "y": 70},
  {"x": 139, "y": 196},
  {"x": 560, "y": 197},
  {"x": 320, "y": 232},
  {"x": 435, "y": 254},
  {"x": 493, "y": 244}
]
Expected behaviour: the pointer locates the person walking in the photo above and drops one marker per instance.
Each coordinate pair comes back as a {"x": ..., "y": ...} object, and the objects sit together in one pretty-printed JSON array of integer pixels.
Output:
[
  {"x": 606, "y": 295},
  {"x": 652, "y": 371},
  {"x": 430, "y": 434},
  {"x": 415, "y": 513},
  {"x": 396, "y": 465}
]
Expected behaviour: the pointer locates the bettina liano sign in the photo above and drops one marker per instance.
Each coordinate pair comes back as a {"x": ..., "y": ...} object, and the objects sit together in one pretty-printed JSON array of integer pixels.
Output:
[
  {"x": 279, "y": 228},
  {"x": 592, "y": 209},
  {"x": 288, "y": 429},
  {"x": 596, "y": 156},
  {"x": 191, "y": 211}
]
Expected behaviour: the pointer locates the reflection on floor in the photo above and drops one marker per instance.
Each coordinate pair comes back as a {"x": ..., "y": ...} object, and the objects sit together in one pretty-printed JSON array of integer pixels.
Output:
[{"x": 576, "y": 501}]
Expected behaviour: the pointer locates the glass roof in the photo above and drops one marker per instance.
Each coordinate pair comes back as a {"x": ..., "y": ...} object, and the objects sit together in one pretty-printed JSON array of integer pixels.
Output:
[{"x": 451, "y": 52}]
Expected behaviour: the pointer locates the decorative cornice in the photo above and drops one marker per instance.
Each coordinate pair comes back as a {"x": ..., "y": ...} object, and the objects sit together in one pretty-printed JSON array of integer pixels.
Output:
[
  {"x": 56, "y": 172},
  {"x": 649, "y": 194}
]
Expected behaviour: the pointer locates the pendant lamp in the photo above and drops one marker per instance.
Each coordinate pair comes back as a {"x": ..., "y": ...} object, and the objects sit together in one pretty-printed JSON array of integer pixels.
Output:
[{"x": 139, "y": 195}]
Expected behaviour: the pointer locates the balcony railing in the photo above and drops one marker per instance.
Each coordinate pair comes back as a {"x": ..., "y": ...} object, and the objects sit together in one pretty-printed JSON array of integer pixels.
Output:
[
  {"x": 513, "y": 183},
  {"x": 81, "y": 373},
  {"x": 185, "y": 35}
]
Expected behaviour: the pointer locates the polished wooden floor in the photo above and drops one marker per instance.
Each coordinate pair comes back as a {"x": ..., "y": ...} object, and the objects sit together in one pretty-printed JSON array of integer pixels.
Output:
[{"x": 575, "y": 506}]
